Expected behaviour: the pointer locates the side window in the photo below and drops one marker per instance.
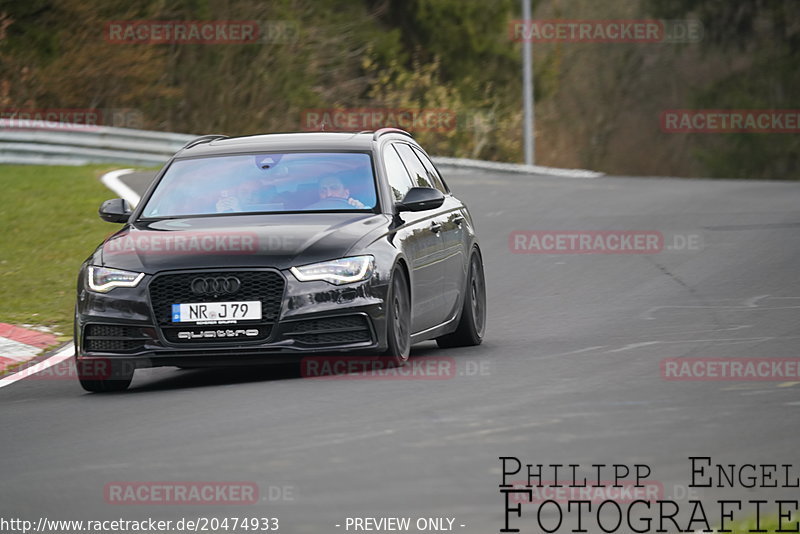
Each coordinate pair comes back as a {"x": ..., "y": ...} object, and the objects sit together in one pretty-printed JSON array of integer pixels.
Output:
[
  {"x": 419, "y": 176},
  {"x": 396, "y": 173},
  {"x": 433, "y": 174}
]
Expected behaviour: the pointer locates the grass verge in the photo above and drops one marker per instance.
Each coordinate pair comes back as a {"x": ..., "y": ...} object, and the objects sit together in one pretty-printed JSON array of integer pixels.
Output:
[
  {"x": 48, "y": 227},
  {"x": 766, "y": 525}
]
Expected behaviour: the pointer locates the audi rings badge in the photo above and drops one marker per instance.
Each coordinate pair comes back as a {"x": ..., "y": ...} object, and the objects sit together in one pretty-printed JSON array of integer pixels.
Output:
[{"x": 215, "y": 285}]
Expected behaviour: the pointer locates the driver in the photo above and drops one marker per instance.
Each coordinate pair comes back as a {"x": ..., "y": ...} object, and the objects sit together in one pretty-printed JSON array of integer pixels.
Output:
[
  {"x": 252, "y": 192},
  {"x": 332, "y": 187}
]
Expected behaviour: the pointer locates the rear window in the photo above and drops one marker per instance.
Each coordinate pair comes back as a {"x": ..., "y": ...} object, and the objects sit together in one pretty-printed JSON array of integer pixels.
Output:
[{"x": 265, "y": 183}]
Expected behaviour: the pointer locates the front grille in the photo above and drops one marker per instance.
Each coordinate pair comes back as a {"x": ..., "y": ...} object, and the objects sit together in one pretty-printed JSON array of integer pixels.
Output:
[
  {"x": 113, "y": 338},
  {"x": 330, "y": 330},
  {"x": 333, "y": 338},
  {"x": 168, "y": 289},
  {"x": 112, "y": 345}
]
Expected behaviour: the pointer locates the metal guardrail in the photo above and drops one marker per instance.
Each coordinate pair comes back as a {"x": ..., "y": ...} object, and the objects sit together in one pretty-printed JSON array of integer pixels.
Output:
[
  {"x": 515, "y": 168},
  {"x": 79, "y": 144}
]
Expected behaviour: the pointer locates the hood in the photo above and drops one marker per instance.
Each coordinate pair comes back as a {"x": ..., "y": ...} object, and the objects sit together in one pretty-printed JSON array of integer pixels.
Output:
[{"x": 275, "y": 240}]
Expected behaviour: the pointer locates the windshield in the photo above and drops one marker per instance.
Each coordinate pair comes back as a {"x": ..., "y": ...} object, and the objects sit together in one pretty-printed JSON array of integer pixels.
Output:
[{"x": 263, "y": 183}]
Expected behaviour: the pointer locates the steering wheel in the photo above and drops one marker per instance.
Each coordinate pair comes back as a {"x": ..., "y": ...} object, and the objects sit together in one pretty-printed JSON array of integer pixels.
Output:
[{"x": 333, "y": 203}]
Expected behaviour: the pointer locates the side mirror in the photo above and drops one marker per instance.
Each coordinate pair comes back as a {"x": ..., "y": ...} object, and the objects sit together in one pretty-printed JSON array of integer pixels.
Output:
[
  {"x": 116, "y": 210},
  {"x": 421, "y": 199}
]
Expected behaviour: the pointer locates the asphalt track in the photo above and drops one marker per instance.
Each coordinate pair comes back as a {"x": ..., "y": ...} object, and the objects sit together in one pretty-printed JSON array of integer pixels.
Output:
[{"x": 568, "y": 373}]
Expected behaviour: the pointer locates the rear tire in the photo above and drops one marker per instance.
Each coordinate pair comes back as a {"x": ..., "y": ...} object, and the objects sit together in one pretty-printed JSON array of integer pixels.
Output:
[
  {"x": 472, "y": 325},
  {"x": 95, "y": 379},
  {"x": 398, "y": 320}
]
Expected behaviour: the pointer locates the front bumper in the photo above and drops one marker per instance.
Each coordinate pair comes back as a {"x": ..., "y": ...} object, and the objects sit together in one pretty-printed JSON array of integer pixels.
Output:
[{"x": 313, "y": 318}]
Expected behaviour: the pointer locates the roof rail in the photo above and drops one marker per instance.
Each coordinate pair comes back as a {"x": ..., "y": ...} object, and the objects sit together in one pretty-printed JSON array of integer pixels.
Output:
[
  {"x": 383, "y": 131},
  {"x": 203, "y": 139}
]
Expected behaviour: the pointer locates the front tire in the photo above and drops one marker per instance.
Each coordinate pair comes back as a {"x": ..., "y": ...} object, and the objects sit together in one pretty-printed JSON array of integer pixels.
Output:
[
  {"x": 102, "y": 376},
  {"x": 472, "y": 325},
  {"x": 398, "y": 320}
]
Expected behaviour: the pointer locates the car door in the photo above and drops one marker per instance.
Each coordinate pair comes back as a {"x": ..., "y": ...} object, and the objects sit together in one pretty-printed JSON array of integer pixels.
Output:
[
  {"x": 455, "y": 239},
  {"x": 443, "y": 227},
  {"x": 421, "y": 245}
]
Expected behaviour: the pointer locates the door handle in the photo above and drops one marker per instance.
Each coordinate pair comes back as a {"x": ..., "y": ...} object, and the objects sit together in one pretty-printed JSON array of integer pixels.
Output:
[
  {"x": 436, "y": 227},
  {"x": 458, "y": 220}
]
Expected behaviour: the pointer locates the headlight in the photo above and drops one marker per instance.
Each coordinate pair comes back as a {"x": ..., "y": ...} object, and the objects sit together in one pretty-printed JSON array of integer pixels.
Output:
[
  {"x": 342, "y": 271},
  {"x": 103, "y": 279}
]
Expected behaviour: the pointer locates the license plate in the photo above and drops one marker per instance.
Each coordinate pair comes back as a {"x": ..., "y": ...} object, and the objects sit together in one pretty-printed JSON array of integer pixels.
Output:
[{"x": 216, "y": 311}]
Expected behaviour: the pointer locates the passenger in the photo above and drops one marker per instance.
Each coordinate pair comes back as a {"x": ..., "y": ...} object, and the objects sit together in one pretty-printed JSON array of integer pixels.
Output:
[
  {"x": 250, "y": 195},
  {"x": 332, "y": 187}
]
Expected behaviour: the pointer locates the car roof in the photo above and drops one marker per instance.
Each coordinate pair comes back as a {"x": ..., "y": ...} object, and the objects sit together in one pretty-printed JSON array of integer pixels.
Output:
[{"x": 362, "y": 141}]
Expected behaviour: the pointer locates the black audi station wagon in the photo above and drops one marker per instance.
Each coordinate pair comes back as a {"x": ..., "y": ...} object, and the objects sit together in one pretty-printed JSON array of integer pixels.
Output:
[{"x": 264, "y": 248}]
